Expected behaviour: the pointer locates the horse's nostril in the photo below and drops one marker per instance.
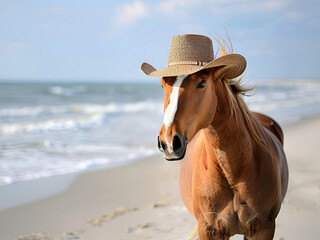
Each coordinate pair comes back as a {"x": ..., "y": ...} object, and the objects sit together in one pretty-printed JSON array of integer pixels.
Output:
[
  {"x": 159, "y": 143},
  {"x": 176, "y": 143},
  {"x": 161, "y": 146}
]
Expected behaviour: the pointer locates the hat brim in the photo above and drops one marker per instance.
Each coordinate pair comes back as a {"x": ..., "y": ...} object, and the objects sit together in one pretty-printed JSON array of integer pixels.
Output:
[{"x": 235, "y": 64}]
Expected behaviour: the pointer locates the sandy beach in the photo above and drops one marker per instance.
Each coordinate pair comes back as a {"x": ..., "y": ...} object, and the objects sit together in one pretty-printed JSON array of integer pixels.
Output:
[{"x": 141, "y": 200}]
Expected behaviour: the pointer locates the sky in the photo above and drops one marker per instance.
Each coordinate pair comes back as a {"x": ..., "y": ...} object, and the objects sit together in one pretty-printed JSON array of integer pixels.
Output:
[{"x": 103, "y": 40}]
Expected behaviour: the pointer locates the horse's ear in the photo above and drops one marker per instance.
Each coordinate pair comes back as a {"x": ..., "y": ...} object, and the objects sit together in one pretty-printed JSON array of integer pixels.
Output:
[
  {"x": 224, "y": 72},
  {"x": 218, "y": 73}
]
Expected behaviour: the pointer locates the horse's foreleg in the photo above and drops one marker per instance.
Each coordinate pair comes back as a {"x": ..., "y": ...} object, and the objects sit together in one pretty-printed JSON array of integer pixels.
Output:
[
  {"x": 265, "y": 233},
  {"x": 208, "y": 232}
]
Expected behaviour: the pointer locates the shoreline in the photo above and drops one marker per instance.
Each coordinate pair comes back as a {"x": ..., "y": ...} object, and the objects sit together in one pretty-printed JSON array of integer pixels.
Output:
[
  {"x": 14, "y": 191},
  {"x": 142, "y": 200}
]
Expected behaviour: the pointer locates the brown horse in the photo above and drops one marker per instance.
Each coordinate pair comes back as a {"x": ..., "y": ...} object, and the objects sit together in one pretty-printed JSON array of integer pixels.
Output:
[{"x": 233, "y": 172}]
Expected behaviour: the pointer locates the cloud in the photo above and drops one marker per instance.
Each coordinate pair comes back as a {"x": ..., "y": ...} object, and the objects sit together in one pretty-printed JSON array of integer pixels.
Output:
[
  {"x": 128, "y": 13},
  {"x": 176, "y": 8},
  {"x": 274, "y": 5}
]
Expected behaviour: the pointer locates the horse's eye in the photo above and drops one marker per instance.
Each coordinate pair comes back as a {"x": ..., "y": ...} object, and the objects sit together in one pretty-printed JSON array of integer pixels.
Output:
[{"x": 201, "y": 84}]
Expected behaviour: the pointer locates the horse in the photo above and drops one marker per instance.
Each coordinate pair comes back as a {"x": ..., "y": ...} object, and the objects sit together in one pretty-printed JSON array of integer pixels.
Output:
[{"x": 233, "y": 169}]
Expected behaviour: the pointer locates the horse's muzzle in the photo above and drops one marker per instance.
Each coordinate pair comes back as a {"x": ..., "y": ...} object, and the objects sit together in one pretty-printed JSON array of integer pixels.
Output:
[{"x": 175, "y": 152}]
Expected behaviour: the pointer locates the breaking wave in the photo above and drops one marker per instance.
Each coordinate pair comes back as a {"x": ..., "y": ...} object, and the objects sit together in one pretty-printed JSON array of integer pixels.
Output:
[{"x": 85, "y": 109}]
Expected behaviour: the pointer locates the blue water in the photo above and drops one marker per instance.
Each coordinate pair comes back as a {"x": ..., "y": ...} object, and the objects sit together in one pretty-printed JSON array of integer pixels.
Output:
[{"x": 49, "y": 129}]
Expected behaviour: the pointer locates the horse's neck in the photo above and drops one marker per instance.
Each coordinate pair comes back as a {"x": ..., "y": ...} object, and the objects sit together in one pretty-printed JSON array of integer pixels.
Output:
[
  {"x": 234, "y": 143},
  {"x": 231, "y": 131}
]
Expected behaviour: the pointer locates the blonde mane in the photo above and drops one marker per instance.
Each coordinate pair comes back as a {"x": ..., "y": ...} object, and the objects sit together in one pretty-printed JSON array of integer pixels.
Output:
[{"x": 236, "y": 91}]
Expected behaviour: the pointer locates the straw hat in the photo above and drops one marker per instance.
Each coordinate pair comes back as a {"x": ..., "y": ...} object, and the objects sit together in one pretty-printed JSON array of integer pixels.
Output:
[{"x": 191, "y": 53}]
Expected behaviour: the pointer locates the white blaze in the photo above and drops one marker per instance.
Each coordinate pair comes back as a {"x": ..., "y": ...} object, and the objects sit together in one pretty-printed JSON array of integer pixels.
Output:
[{"x": 172, "y": 107}]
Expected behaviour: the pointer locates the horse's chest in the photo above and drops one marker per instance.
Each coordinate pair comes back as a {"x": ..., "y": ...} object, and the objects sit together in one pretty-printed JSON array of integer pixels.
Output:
[
  {"x": 221, "y": 206},
  {"x": 230, "y": 217}
]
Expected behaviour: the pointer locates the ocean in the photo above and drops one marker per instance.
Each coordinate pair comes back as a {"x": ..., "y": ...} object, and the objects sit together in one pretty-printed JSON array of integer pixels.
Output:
[{"x": 48, "y": 129}]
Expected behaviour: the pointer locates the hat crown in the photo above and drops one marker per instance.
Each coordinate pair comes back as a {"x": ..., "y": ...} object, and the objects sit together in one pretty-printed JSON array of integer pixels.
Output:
[{"x": 190, "y": 48}]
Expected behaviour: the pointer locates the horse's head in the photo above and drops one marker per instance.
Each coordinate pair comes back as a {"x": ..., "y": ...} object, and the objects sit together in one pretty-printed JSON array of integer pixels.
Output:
[
  {"x": 190, "y": 101},
  {"x": 189, "y": 105}
]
